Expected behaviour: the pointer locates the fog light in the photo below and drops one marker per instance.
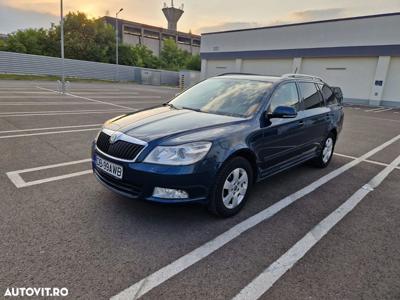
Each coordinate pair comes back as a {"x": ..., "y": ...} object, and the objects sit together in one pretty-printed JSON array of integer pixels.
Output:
[{"x": 169, "y": 193}]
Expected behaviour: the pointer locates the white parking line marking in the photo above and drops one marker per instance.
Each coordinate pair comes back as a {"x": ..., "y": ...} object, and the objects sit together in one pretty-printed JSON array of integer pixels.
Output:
[
  {"x": 24, "y": 92},
  {"x": 86, "y": 98},
  {"x": 374, "y": 162},
  {"x": 374, "y": 109},
  {"x": 17, "y": 180},
  {"x": 382, "y": 110},
  {"x": 49, "y": 128},
  {"x": 15, "y": 177},
  {"x": 52, "y": 103},
  {"x": 66, "y": 112},
  {"x": 116, "y": 96},
  {"x": 46, "y": 133},
  {"x": 263, "y": 282},
  {"x": 47, "y": 96},
  {"x": 374, "y": 118},
  {"x": 61, "y": 111},
  {"x": 112, "y": 93},
  {"x": 155, "y": 279}
]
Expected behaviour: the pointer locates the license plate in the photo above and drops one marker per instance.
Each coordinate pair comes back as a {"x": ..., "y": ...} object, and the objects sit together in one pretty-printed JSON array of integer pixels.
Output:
[{"x": 109, "y": 167}]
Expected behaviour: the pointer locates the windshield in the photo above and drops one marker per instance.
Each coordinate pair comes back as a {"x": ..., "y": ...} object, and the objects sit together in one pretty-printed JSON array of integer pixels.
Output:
[{"x": 226, "y": 96}]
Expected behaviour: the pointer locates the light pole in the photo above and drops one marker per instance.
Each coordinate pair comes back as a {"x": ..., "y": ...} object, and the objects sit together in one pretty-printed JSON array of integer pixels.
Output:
[
  {"x": 62, "y": 48},
  {"x": 116, "y": 44}
]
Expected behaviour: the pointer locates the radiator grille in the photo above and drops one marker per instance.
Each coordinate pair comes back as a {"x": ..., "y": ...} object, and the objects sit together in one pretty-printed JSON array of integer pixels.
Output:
[{"x": 119, "y": 149}]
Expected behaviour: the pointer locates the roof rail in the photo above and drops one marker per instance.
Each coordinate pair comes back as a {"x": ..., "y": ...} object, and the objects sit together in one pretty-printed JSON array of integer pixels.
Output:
[
  {"x": 302, "y": 76},
  {"x": 237, "y": 73}
]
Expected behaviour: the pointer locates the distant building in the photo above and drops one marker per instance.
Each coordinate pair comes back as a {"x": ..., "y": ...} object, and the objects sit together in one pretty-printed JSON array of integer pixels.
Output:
[
  {"x": 360, "y": 54},
  {"x": 133, "y": 33}
]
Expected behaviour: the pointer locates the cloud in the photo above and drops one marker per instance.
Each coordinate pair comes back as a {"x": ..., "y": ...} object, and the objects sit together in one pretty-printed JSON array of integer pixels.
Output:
[
  {"x": 13, "y": 19},
  {"x": 294, "y": 17},
  {"x": 228, "y": 26},
  {"x": 310, "y": 15}
]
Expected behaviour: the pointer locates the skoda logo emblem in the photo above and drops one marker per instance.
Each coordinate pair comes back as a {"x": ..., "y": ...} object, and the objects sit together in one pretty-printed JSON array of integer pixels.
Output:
[{"x": 114, "y": 137}]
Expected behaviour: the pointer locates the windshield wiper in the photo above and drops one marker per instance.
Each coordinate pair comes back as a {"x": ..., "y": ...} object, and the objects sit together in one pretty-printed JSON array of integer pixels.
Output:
[
  {"x": 194, "y": 109},
  {"x": 170, "y": 105}
]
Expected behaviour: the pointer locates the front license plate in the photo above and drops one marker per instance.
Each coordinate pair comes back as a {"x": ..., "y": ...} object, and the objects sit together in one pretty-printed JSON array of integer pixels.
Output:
[{"x": 109, "y": 167}]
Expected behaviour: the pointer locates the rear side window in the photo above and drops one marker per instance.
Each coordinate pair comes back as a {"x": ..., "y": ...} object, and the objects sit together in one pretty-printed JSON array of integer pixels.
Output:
[
  {"x": 328, "y": 94},
  {"x": 285, "y": 95},
  {"x": 311, "y": 96}
]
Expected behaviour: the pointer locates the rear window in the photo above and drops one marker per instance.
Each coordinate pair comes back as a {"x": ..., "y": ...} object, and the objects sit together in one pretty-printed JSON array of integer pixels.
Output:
[
  {"x": 311, "y": 96},
  {"x": 328, "y": 94}
]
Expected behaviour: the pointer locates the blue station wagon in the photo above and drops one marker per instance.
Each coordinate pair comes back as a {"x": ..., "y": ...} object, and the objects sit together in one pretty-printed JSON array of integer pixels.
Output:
[{"x": 212, "y": 142}]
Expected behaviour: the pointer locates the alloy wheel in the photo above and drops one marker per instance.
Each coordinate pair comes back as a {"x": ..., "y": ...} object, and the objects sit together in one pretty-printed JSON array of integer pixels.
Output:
[
  {"x": 328, "y": 149},
  {"x": 235, "y": 188}
]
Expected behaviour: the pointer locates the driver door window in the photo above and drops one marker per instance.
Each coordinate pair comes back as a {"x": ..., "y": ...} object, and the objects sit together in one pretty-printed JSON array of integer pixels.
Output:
[{"x": 285, "y": 95}]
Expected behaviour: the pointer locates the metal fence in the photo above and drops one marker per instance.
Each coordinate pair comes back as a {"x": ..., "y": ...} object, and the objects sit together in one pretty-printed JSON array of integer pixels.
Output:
[{"x": 28, "y": 64}]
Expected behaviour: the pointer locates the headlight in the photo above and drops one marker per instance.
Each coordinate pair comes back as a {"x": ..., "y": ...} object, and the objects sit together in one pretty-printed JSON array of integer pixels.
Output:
[{"x": 186, "y": 154}]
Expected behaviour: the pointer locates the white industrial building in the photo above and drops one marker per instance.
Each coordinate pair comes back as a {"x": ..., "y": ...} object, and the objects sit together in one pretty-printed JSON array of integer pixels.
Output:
[{"x": 360, "y": 54}]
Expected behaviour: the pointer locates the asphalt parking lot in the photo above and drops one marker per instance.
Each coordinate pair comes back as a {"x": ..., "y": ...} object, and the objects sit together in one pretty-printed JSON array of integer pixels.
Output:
[{"x": 304, "y": 234}]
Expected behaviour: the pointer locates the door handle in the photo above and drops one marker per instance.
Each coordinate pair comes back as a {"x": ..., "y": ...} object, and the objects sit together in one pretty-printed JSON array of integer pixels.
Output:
[{"x": 301, "y": 123}]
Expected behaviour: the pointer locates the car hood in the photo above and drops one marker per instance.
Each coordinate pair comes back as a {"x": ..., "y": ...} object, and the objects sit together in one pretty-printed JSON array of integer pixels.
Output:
[{"x": 164, "y": 122}]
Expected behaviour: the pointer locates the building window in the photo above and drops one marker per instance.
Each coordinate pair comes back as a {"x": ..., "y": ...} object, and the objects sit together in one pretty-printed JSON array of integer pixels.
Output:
[
  {"x": 168, "y": 36},
  {"x": 151, "y": 34},
  {"x": 132, "y": 30},
  {"x": 183, "y": 40}
]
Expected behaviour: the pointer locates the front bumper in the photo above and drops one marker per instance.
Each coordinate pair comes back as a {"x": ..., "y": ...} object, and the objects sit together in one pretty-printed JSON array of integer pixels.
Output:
[{"x": 140, "y": 179}]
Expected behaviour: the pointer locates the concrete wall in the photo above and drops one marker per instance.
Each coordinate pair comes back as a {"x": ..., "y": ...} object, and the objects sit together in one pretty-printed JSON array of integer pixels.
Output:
[
  {"x": 152, "y": 44},
  {"x": 216, "y": 67},
  {"x": 195, "y": 50},
  {"x": 383, "y": 30},
  {"x": 361, "y": 55},
  {"x": 274, "y": 67},
  {"x": 354, "y": 75},
  {"x": 184, "y": 47},
  {"x": 130, "y": 39},
  {"x": 391, "y": 91}
]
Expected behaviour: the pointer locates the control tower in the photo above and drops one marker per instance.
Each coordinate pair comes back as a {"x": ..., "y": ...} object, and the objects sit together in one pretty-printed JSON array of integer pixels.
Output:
[{"x": 173, "y": 15}]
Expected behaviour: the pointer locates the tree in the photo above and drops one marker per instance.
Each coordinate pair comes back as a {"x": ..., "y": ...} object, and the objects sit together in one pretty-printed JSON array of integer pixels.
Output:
[
  {"x": 94, "y": 40},
  {"x": 173, "y": 58},
  {"x": 194, "y": 63},
  {"x": 138, "y": 55},
  {"x": 87, "y": 39},
  {"x": 27, "y": 41}
]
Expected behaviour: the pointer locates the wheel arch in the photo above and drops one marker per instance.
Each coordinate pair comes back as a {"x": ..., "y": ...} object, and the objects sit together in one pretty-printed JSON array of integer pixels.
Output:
[{"x": 250, "y": 157}]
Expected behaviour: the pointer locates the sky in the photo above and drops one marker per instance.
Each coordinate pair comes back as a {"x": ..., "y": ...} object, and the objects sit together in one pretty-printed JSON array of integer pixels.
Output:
[{"x": 200, "y": 15}]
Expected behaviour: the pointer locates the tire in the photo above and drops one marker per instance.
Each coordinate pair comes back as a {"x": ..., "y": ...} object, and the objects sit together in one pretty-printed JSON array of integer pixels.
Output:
[
  {"x": 232, "y": 187},
  {"x": 325, "y": 154}
]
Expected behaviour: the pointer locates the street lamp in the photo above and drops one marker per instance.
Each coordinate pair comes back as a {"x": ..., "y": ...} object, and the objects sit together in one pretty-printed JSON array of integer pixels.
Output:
[
  {"x": 116, "y": 43},
  {"x": 62, "y": 48}
]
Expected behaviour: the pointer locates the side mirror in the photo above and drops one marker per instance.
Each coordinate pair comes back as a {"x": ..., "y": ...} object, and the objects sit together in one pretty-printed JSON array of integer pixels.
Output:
[
  {"x": 337, "y": 91},
  {"x": 285, "y": 112}
]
